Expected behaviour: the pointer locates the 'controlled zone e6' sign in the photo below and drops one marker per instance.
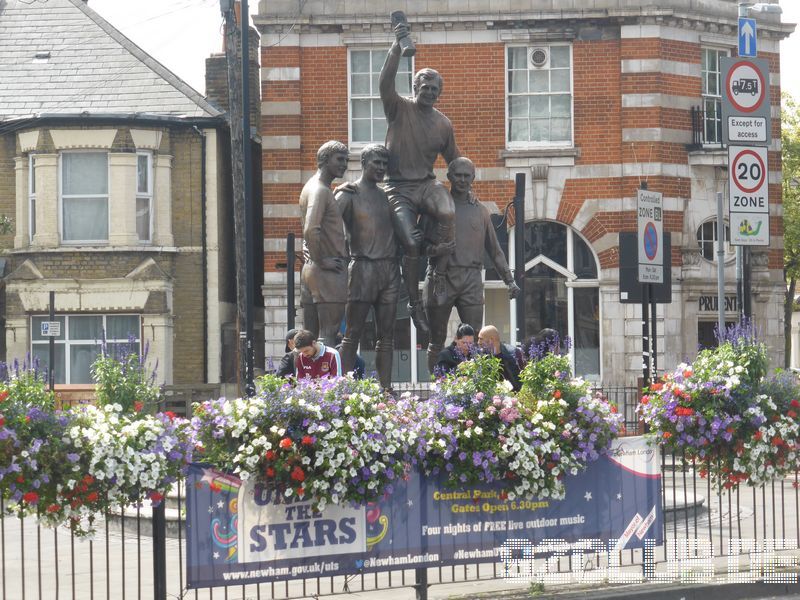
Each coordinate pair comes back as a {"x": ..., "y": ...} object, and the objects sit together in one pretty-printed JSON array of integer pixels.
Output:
[
  {"x": 748, "y": 182},
  {"x": 746, "y": 116},
  {"x": 650, "y": 239}
]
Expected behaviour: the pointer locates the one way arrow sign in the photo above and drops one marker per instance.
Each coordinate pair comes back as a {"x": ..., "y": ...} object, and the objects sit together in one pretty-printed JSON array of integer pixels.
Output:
[{"x": 747, "y": 37}]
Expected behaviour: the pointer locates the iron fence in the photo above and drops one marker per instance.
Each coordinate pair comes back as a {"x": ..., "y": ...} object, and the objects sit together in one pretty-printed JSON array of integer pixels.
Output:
[{"x": 125, "y": 561}]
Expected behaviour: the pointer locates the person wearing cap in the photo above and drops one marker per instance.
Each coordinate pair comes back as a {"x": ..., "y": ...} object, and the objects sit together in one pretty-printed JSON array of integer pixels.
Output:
[{"x": 286, "y": 367}]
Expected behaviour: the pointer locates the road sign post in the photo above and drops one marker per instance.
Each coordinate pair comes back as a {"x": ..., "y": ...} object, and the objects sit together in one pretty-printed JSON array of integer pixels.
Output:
[
  {"x": 746, "y": 113},
  {"x": 650, "y": 240},
  {"x": 748, "y": 203}
]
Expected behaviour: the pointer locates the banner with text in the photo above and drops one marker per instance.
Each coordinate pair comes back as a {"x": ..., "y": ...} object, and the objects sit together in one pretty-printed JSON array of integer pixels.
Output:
[{"x": 240, "y": 533}]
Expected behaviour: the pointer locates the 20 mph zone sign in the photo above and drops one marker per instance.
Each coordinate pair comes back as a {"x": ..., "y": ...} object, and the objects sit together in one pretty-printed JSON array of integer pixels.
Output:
[
  {"x": 651, "y": 237},
  {"x": 748, "y": 182}
]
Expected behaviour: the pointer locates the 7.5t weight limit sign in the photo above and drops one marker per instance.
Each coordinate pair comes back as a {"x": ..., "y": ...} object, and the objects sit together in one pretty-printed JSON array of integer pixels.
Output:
[{"x": 748, "y": 182}]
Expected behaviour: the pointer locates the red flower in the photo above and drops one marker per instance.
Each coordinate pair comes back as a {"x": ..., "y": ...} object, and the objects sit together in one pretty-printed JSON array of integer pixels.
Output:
[
  {"x": 270, "y": 472},
  {"x": 88, "y": 479},
  {"x": 503, "y": 495},
  {"x": 667, "y": 435},
  {"x": 777, "y": 441},
  {"x": 645, "y": 399},
  {"x": 307, "y": 440},
  {"x": 687, "y": 373},
  {"x": 557, "y": 394},
  {"x": 170, "y": 414},
  {"x": 795, "y": 403},
  {"x": 20, "y": 479},
  {"x": 53, "y": 508},
  {"x": 3, "y": 395},
  {"x": 298, "y": 474},
  {"x": 2, "y": 421},
  {"x": 156, "y": 497},
  {"x": 657, "y": 386},
  {"x": 92, "y": 497},
  {"x": 285, "y": 443},
  {"x": 301, "y": 492},
  {"x": 31, "y": 497},
  {"x": 757, "y": 435},
  {"x": 138, "y": 406},
  {"x": 792, "y": 415},
  {"x": 270, "y": 455}
]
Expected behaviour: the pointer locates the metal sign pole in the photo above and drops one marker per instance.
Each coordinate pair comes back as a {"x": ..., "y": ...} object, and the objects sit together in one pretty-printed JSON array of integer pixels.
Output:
[
  {"x": 51, "y": 364},
  {"x": 519, "y": 252},
  {"x": 720, "y": 267}
]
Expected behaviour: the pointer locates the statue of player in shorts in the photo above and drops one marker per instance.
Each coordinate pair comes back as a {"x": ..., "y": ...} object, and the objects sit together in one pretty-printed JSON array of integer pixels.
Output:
[
  {"x": 324, "y": 274},
  {"x": 417, "y": 134},
  {"x": 475, "y": 236},
  {"x": 374, "y": 273}
]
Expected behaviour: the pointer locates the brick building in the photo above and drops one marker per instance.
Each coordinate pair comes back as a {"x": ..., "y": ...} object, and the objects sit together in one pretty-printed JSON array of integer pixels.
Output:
[
  {"x": 116, "y": 174},
  {"x": 589, "y": 100}
]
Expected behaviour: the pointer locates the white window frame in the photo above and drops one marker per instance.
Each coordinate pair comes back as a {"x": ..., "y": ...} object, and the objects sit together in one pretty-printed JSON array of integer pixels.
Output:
[
  {"x": 66, "y": 341},
  {"x": 729, "y": 250},
  {"x": 107, "y": 197},
  {"x": 145, "y": 195},
  {"x": 571, "y": 283},
  {"x": 376, "y": 93},
  {"x": 507, "y": 95},
  {"x": 708, "y": 97},
  {"x": 31, "y": 196}
]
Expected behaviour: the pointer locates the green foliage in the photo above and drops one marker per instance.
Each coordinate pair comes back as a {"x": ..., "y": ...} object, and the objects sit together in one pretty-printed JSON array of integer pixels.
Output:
[
  {"x": 125, "y": 381},
  {"x": 482, "y": 373},
  {"x": 28, "y": 386},
  {"x": 6, "y": 225},
  {"x": 269, "y": 383},
  {"x": 790, "y": 157}
]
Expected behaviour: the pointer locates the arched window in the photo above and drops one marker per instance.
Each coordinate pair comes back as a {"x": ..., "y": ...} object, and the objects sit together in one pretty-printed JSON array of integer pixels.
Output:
[{"x": 562, "y": 291}]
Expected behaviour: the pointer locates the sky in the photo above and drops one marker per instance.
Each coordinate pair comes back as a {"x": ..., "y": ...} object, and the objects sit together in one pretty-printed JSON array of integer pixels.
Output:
[{"x": 181, "y": 34}]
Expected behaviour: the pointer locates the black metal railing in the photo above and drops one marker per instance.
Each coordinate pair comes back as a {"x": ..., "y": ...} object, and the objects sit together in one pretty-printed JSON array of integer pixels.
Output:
[
  {"x": 706, "y": 129},
  {"x": 123, "y": 561}
]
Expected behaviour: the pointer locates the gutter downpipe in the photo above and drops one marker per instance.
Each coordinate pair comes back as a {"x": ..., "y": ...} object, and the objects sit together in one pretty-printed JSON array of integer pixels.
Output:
[{"x": 204, "y": 245}]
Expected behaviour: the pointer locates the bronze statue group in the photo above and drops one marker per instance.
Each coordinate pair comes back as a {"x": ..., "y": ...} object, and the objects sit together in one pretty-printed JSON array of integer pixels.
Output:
[{"x": 357, "y": 237}]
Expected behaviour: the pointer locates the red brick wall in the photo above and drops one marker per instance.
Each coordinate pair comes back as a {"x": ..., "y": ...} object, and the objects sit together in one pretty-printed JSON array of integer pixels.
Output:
[{"x": 474, "y": 99}]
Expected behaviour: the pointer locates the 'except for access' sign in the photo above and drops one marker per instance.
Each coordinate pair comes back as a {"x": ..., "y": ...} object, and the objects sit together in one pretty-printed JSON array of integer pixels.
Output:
[
  {"x": 748, "y": 182},
  {"x": 746, "y": 116},
  {"x": 651, "y": 234}
]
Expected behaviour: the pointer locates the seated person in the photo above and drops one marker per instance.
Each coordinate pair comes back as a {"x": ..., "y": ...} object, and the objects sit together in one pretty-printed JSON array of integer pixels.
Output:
[
  {"x": 457, "y": 352},
  {"x": 489, "y": 340},
  {"x": 315, "y": 359},
  {"x": 286, "y": 366}
]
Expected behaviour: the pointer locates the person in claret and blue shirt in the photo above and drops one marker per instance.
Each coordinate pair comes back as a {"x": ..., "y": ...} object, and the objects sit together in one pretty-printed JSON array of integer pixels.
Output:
[{"x": 315, "y": 359}]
